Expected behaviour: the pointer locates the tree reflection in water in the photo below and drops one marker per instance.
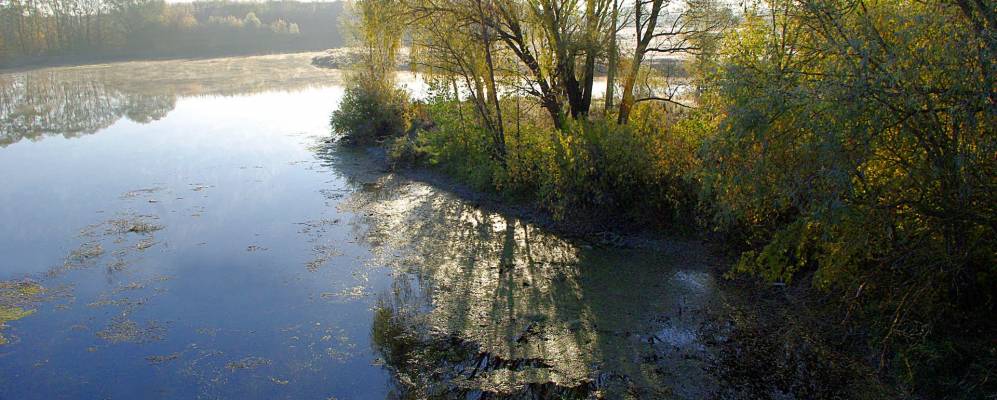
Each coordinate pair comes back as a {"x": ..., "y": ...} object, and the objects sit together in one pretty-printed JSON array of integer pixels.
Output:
[
  {"x": 486, "y": 304},
  {"x": 78, "y": 101},
  {"x": 69, "y": 103}
]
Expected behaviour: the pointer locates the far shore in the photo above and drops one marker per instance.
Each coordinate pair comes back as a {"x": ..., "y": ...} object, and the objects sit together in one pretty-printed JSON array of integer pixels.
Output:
[{"x": 49, "y": 62}]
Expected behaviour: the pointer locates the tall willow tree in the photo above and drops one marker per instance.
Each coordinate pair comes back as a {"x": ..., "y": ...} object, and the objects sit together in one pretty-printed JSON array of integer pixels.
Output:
[
  {"x": 460, "y": 50},
  {"x": 378, "y": 35},
  {"x": 555, "y": 44},
  {"x": 372, "y": 108}
]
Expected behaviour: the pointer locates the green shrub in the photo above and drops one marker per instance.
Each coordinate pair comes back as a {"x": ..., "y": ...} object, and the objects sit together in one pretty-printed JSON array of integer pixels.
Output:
[
  {"x": 370, "y": 112},
  {"x": 458, "y": 145},
  {"x": 593, "y": 169}
]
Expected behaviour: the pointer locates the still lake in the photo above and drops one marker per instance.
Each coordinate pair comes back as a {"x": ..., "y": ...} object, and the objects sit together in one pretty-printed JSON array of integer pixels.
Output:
[{"x": 187, "y": 229}]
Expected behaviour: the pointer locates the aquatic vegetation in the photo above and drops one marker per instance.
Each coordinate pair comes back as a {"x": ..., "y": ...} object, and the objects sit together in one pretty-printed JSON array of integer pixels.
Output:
[
  {"x": 321, "y": 255},
  {"x": 131, "y": 194},
  {"x": 15, "y": 297},
  {"x": 313, "y": 345},
  {"x": 127, "y": 304},
  {"x": 162, "y": 359},
  {"x": 315, "y": 229},
  {"x": 348, "y": 294},
  {"x": 322, "y": 250},
  {"x": 128, "y": 298},
  {"x": 141, "y": 224},
  {"x": 118, "y": 229},
  {"x": 199, "y": 187},
  {"x": 279, "y": 381},
  {"x": 123, "y": 330},
  {"x": 86, "y": 252},
  {"x": 11, "y": 314},
  {"x": 251, "y": 362},
  {"x": 145, "y": 244},
  {"x": 117, "y": 265}
]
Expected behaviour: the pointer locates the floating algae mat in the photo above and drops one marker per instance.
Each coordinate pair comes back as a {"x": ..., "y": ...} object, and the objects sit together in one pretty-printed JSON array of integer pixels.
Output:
[{"x": 16, "y": 298}]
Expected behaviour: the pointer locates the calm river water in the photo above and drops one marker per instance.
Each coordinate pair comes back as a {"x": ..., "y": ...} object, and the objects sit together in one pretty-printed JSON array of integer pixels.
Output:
[{"x": 183, "y": 229}]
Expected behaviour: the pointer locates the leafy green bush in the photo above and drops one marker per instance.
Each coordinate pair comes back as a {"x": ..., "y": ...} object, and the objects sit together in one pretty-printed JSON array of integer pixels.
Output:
[
  {"x": 588, "y": 169},
  {"x": 457, "y": 145},
  {"x": 601, "y": 169},
  {"x": 370, "y": 112}
]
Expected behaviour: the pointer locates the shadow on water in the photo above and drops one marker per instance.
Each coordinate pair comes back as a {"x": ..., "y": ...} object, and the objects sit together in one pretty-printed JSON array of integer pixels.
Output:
[{"x": 485, "y": 305}]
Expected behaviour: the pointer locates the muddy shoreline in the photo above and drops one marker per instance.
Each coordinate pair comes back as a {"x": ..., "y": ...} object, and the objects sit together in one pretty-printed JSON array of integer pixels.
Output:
[{"x": 597, "y": 233}]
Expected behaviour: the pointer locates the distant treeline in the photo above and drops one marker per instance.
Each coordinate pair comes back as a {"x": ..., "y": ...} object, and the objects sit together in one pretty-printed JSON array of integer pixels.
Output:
[{"x": 52, "y": 31}]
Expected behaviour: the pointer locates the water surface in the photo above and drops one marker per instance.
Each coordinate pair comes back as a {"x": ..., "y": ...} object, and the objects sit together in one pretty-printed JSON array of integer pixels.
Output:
[{"x": 185, "y": 229}]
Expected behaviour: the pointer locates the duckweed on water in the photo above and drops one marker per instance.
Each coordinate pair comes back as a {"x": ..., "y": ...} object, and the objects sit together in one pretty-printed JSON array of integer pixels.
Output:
[
  {"x": 198, "y": 187},
  {"x": 138, "y": 224},
  {"x": 96, "y": 237},
  {"x": 11, "y": 314},
  {"x": 161, "y": 359},
  {"x": 140, "y": 192},
  {"x": 14, "y": 297},
  {"x": 322, "y": 255},
  {"x": 123, "y": 330},
  {"x": 279, "y": 381},
  {"x": 86, "y": 252},
  {"x": 251, "y": 362},
  {"x": 145, "y": 244}
]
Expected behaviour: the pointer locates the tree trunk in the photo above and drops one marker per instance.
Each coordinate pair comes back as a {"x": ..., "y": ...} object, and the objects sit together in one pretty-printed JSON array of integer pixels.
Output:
[
  {"x": 627, "y": 102},
  {"x": 553, "y": 106},
  {"x": 643, "y": 40},
  {"x": 588, "y": 69},
  {"x": 498, "y": 131},
  {"x": 613, "y": 58},
  {"x": 572, "y": 89}
]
